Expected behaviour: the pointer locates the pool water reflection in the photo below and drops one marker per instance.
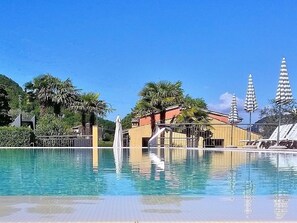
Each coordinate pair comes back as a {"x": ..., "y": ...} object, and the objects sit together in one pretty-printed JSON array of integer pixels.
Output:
[
  {"x": 79, "y": 185},
  {"x": 185, "y": 172}
]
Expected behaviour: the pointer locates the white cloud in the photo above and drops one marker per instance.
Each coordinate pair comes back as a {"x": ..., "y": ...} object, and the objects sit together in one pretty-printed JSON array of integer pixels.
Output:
[{"x": 224, "y": 103}]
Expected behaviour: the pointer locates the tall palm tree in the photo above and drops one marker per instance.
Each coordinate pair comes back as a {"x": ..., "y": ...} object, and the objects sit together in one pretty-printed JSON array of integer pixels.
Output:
[
  {"x": 65, "y": 95},
  {"x": 51, "y": 92},
  {"x": 89, "y": 104},
  {"x": 155, "y": 97},
  {"x": 42, "y": 88}
]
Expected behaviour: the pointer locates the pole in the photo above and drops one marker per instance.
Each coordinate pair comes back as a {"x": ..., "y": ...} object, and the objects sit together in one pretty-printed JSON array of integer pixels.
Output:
[
  {"x": 250, "y": 130},
  {"x": 95, "y": 148},
  {"x": 232, "y": 134},
  {"x": 279, "y": 123}
]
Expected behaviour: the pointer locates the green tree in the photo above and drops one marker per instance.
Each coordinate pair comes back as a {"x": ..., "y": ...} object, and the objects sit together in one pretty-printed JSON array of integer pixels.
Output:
[
  {"x": 50, "y": 91},
  {"x": 13, "y": 90},
  {"x": 127, "y": 121},
  {"x": 5, "y": 118},
  {"x": 194, "y": 111},
  {"x": 106, "y": 124},
  {"x": 42, "y": 88},
  {"x": 49, "y": 125},
  {"x": 65, "y": 95},
  {"x": 157, "y": 97},
  {"x": 71, "y": 118},
  {"x": 89, "y": 104},
  {"x": 194, "y": 117}
]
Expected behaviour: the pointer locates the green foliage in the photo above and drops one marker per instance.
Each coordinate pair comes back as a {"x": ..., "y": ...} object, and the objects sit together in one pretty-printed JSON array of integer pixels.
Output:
[
  {"x": 90, "y": 104},
  {"x": 16, "y": 137},
  {"x": 106, "y": 124},
  {"x": 49, "y": 125},
  {"x": 13, "y": 91},
  {"x": 107, "y": 137},
  {"x": 5, "y": 118},
  {"x": 70, "y": 118},
  {"x": 156, "y": 97},
  {"x": 189, "y": 102},
  {"x": 194, "y": 111},
  {"x": 105, "y": 143},
  {"x": 50, "y": 91},
  {"x": 127, "y": 121},
  {"x": 46, "y": 94}
]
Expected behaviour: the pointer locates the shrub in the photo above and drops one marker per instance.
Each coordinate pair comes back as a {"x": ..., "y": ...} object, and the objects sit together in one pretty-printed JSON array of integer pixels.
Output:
[
  {"x": 49, "y": 125},
  {"x": 16, "y": 137},
  {"x": 105, "y": 143}
]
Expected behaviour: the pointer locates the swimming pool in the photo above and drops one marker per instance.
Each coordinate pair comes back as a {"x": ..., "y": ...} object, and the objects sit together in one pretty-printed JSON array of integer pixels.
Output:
[{"x": 246, "y": 181}]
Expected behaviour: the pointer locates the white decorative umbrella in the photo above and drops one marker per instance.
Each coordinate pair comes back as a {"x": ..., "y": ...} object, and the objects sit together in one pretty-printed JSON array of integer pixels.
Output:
[
  {"x": 284, "y": 92},
  {"x": 233, "y": 116},
  {"x": 250, "y": 104},
  {"x": 118, "y": 145}
]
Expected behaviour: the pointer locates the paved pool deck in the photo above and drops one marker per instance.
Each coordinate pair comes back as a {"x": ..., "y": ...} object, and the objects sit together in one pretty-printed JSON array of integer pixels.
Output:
[{"x": 148, "y": 209}]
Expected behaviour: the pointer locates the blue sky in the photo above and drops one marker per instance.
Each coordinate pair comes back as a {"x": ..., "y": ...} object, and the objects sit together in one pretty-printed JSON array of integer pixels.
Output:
[{"x": 115, "y": 47}]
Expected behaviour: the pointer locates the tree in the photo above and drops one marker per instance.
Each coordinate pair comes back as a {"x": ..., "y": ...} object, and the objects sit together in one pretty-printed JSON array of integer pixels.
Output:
[
  {"x": 65, "y": 95},
  {"x": 42, "y": 88},
  {"x": 13, "y": 90},
  {"x": 106, "y": 124},
  {"x": 194, "y": 117},
  {"x": 127, "y": 121},
  {"x": 51, "y": 92},
  {"x": 269, "y": 117},
  {"x": 89, "y": 104},
  {"x": 157, "y": 97},
  {"x": 49, "y": 125},
  {"x": 194, "y": 110},
  {"x": 5, "y": 119}
]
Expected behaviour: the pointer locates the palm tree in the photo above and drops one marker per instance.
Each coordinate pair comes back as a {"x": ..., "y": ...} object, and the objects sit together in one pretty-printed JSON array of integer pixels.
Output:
[
  {"x": 194, "y": 116},
  {"x": 51, "y": 92},
  {"x": 156, "y": 98},
  {"x": 42, "y": 88},
  {"x": 65, "y": 95},
  {"x": 89, "y": 104}
]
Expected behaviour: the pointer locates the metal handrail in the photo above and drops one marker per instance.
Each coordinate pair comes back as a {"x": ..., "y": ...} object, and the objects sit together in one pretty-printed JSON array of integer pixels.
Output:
[{"x": 158, "y": 133}]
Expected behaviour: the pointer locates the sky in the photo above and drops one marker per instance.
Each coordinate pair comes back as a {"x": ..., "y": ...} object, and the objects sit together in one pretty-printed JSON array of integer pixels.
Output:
[{"x": 114, "y": 47}]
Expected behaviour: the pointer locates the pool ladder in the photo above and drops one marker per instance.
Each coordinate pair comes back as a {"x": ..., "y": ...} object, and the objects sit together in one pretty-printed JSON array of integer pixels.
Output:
[{"x": 153, "y": 139}]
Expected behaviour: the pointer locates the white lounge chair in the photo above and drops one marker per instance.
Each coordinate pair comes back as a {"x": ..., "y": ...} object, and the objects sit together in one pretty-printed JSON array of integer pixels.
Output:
[
  {"x": 291, "y": 138},
  {"x": 283, "y": 132}
]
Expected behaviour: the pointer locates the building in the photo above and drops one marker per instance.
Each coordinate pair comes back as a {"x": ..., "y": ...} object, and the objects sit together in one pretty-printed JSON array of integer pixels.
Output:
[{"x": 221, "y": 132}]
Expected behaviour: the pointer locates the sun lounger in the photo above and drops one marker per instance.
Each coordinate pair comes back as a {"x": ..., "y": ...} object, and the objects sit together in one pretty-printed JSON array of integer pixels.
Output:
[
  {"x": 290, "y": 140},
  {"x": 283, "y": 133}
]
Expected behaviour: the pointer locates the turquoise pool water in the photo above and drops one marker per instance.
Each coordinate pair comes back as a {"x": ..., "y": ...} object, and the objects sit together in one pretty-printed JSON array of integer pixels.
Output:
[{"x": 73, "y": 172}]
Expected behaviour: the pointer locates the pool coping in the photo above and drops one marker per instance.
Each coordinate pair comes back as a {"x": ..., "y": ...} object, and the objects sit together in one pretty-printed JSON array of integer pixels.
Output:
[{"x": 243, "y": 149}]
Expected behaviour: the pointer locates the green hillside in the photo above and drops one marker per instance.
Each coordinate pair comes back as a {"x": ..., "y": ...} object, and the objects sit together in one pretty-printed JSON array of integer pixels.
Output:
[{"x": 13, "y": 89}]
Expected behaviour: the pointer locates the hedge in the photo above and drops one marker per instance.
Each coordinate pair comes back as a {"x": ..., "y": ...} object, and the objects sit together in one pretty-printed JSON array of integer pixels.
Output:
[{"x": 16, "y": 137}]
